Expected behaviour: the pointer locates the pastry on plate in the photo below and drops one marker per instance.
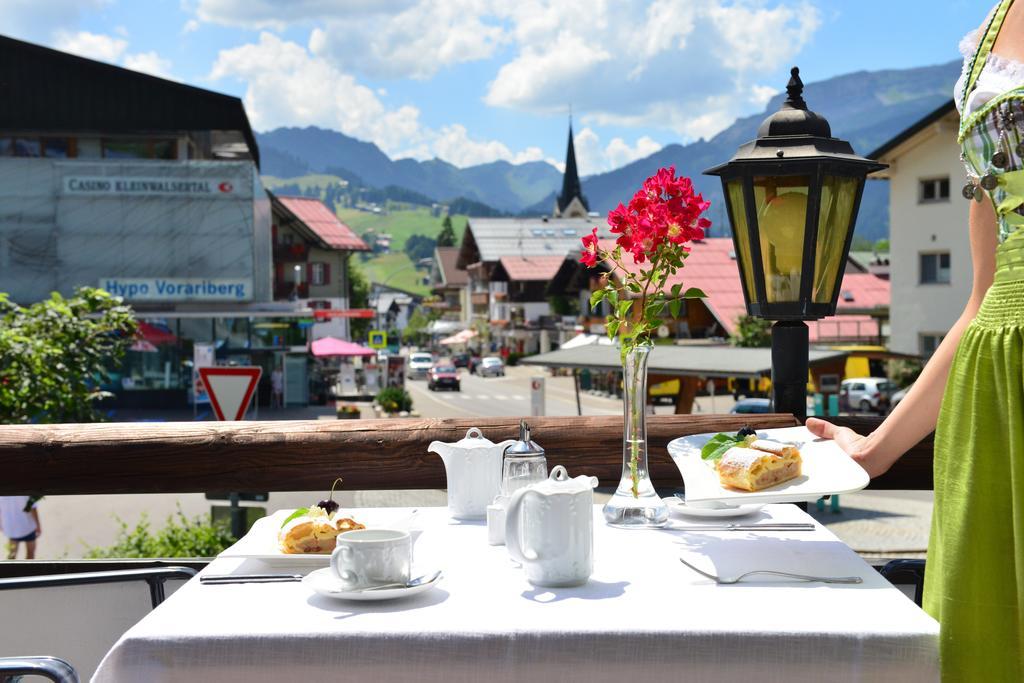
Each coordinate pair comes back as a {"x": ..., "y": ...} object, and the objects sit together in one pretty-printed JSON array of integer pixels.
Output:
[
  {"x": 313, "y": 532},
  {"x": 761, "y": 465}
]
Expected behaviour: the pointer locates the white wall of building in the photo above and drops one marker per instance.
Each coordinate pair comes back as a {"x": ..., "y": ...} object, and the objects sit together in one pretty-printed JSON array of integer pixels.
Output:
[{"x": 917, "y": 227}]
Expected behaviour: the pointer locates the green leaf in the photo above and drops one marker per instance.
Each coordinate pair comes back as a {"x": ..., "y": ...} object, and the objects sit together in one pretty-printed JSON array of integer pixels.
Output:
[
  {"x": 717, "y": 445},
  {"x": 674, "y": 307},
  {"x": 676, "y": 288},
  {"x": 294, "y": 515},
  {"x": 624, "y": 307},
  {"x": 694, "y": 293},
  {"x": 613, "y": 295},
  {"x": 613, "y": 329},
  {"x": 597, "y": 297}
]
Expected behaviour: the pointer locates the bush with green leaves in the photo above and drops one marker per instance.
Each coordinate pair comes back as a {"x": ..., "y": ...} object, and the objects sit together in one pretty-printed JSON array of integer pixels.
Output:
[
  {"x": 752, "y": 332},
  {"x": 180, "y": 537},
  {"x": 55, "y": 355},
  {"x": 394, "y": 399}
]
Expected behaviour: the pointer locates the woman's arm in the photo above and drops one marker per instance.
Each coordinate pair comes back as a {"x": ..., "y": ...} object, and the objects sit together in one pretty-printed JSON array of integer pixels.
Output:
[{"x": 915, "y": 417}]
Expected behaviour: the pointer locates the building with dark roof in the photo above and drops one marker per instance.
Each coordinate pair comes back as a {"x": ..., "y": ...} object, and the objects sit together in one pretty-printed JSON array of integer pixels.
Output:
[
  {"x": 929, "y": 244},
  {"x": 150, "y": 189}
]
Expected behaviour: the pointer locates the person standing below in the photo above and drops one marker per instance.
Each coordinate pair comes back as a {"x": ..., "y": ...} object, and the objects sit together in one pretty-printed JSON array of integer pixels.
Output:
[
  {"x": 19, "y": 521},
  {"x": 972, "y": 390},
  {"x": 277, "y": 388}
]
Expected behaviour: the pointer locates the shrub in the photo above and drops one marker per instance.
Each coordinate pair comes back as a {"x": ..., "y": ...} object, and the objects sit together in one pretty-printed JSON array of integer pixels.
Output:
[
  {"x": 513, "y": 358},
  {"x": 394, "y": 399},
  {"x": 181, "y": 537}
]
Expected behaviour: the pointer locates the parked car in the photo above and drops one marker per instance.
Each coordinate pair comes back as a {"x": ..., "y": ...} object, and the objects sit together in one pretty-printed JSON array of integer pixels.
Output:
[
  {"x": 419, "y": 365},
  {"x": 749, "y": 406},
  {"x": 465, "y": 360},
  {"x": 866, "y": 394},
  {"x": 443, "y": 376},
  {"x": 491, "y": 366},
  {"x": 897, "y": 397}
]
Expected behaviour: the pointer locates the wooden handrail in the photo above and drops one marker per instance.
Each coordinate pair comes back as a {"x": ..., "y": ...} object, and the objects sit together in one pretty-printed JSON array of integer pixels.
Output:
[{"x": 307, "y": 455}]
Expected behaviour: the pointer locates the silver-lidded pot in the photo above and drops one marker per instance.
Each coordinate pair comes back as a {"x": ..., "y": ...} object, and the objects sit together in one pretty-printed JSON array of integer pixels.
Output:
[{"x": 524, "y": 463}]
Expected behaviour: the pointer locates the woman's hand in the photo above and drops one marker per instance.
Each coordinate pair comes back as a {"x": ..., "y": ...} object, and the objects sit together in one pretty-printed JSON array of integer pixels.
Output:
[{"x": 860, "y": 448}]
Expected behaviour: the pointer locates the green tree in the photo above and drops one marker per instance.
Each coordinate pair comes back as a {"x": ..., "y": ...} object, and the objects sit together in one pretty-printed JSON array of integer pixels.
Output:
[
  {"x": 752, "y": 332},
  {"x": 358, "y": 297},
  {"x": 882, "y": 246},
  {"x": 446, "y": 238},
  {"x": 418, "y": 247},
  {"x": 55, "y": 355}
]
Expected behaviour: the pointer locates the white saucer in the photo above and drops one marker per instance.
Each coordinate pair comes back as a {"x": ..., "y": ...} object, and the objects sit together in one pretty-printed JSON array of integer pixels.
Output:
[
  {"x": 324, "y": 582},
  {"x": 679, "y": 507}
]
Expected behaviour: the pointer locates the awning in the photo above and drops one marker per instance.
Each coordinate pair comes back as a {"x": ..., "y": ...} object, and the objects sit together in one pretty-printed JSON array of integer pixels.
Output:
[
  {"x": 584, "y": 339},
  {"x": 460, "y": 338},
  {"x": 444, "y": 326},
  {"x": 155, "y": 334},
  {"x": 329, "y": 346},
  {"x": 690, "y": 360}
]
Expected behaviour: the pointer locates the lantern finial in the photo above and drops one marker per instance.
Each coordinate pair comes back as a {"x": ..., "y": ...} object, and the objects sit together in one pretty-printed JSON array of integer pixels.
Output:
[{"x": 795, "y": 90}]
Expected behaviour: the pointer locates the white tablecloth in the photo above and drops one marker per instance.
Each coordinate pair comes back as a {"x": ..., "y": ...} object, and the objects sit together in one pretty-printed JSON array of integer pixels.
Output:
[{"x": 642, "y": 617}]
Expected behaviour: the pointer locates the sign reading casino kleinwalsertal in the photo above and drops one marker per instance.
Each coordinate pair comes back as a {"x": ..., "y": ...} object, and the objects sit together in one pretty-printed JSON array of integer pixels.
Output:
[
  {"x": 98, "y": 186},
  {"x": 178, "y": 289}
]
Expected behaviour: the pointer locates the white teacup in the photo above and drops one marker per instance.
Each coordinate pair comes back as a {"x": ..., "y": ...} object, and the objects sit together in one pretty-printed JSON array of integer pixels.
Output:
[{"x": 372, "y": 557}]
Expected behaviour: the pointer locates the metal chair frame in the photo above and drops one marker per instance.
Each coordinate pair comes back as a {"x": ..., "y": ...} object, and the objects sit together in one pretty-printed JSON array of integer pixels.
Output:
[{"x": 56, "y": 669}]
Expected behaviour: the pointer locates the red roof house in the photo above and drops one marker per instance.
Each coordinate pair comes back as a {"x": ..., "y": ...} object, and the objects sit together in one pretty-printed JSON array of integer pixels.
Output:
[{"x": 712, "y": 267}]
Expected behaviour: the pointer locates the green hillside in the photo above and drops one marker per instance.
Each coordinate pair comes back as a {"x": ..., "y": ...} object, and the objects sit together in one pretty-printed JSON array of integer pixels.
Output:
[{"x": 394, "y": 268}]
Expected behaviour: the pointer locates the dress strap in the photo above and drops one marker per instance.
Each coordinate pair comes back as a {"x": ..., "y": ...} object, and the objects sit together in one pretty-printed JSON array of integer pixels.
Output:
[{"x": 985, "y": 48}]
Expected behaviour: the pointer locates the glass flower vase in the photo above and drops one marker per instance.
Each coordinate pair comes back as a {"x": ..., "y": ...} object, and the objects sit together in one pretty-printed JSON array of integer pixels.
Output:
[{"x": 635, "y": 504}]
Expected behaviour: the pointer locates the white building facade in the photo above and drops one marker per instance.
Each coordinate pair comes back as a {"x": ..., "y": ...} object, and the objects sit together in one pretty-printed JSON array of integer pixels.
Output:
[{"x": 931, "y": 271}]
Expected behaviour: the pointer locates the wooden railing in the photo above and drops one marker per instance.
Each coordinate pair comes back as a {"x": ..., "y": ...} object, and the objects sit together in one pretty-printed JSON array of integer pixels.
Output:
[{"x": 369, "y": 454}]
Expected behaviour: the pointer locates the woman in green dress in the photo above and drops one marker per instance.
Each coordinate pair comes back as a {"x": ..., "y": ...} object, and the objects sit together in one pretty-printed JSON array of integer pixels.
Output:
[{"x": 972, "y": 390}]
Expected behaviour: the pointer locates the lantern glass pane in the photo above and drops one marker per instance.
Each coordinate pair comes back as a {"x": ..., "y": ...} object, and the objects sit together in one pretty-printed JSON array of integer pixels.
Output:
[
  {"x": 781, "y": 216},
  {"x": 838, "y": 194},
  {"x": 739, "y": 224}
]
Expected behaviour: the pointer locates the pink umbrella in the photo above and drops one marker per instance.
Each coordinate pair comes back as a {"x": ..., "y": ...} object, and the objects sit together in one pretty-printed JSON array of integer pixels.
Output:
[{"x": 329, "y": 346}]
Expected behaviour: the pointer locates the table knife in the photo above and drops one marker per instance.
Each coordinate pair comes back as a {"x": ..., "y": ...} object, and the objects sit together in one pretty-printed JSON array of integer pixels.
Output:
[
  {"x": 768, "y": 526},
  {"x": 249, "y": 578}
]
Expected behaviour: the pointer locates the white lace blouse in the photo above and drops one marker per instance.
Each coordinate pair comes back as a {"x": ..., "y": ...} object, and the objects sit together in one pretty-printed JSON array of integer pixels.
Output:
[{"x": 999, "y": 75}]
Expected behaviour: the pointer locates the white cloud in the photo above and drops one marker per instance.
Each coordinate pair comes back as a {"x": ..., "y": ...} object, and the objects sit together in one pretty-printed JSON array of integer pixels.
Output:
[
  {"x": 190, "y": 26},
  {"x": 150, "y": 63},
  {"x": 92, "y": 45},
  {"x": 273, "y": 14},
  {"x": 288, "y": 86},
  {"x": 593, "y": 157},
  {"x": 112, "y": 50},
  {"x": 416, "y": 41},
  {"x": 674, "y": 64}
]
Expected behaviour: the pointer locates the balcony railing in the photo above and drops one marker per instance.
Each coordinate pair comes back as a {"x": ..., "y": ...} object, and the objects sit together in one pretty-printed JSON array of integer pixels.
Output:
[{"x": 370, "y": 454}]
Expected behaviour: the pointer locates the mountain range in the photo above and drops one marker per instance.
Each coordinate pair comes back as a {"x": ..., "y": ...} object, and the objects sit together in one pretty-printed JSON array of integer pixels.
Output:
[{"x": 866, "y": 108}]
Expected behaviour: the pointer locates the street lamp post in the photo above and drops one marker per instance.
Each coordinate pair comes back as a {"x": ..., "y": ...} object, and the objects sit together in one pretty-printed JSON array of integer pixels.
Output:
[{"x": 792, "y": 197}]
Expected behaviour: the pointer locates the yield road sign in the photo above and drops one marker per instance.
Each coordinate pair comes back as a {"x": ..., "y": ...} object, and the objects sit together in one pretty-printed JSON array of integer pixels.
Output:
[{"x": 230, "y": 389}]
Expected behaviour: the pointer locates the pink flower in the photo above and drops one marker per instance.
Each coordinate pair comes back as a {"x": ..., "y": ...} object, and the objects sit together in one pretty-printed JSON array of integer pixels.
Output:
[{"x": 589, "y": 257}]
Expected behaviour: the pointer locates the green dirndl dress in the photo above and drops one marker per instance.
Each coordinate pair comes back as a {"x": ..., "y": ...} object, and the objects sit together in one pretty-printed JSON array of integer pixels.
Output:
[{"x": 974, "y": 584}]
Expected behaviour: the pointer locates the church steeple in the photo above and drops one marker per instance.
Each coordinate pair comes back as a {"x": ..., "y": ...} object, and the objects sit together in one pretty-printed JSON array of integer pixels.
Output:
[{"x": 571, "y": 187}]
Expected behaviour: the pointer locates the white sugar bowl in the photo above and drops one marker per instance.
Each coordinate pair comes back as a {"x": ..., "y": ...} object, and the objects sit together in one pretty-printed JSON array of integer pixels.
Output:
[{"x": 549, "y": 529}]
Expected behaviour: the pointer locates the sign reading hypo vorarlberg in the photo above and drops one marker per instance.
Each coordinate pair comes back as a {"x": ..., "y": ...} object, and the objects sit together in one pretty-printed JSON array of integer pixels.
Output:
[{"x": 178, "y": 289}]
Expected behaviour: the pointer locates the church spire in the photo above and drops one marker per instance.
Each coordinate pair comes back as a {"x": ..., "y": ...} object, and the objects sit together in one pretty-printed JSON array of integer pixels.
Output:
[{"x": 571, "y": 187}]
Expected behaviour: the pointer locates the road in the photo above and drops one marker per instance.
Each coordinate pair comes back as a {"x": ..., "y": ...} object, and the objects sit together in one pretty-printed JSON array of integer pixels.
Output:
[{"x": 505, "y": 396}]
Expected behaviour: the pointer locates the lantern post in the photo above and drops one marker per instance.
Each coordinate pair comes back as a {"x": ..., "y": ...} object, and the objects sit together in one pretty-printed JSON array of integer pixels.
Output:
[{"x": 792, "y": 197}]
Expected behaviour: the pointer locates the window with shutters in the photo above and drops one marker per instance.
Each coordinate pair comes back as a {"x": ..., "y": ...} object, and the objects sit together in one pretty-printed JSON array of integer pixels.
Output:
[{"x": 319, "y": 274}]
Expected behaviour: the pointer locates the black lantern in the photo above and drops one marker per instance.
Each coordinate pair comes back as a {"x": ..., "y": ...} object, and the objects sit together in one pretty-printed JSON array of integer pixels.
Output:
[{"x": 792, "y": 197}]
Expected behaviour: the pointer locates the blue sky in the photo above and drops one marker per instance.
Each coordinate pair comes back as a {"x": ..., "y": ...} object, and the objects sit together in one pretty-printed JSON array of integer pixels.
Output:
[{"x": 471, "y": 81}]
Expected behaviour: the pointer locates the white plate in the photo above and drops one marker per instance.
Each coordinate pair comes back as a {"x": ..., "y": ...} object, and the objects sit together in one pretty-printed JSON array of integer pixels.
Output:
[
  {"x": 260, "y": 543},
  {"x": 324, "y": 582},
  {"x": 681, "y": 508},
  {"x": 827, "y": 470}
]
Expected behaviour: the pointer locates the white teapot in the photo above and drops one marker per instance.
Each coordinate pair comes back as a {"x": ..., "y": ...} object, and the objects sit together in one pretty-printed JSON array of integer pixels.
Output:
[
  {"x": 549, "y": 529},
  {"x": 473, "y": 467}
]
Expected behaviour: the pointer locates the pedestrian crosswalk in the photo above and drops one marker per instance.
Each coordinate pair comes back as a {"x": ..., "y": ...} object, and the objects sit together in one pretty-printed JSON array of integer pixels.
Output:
[{"x": 454, "y": 396}]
